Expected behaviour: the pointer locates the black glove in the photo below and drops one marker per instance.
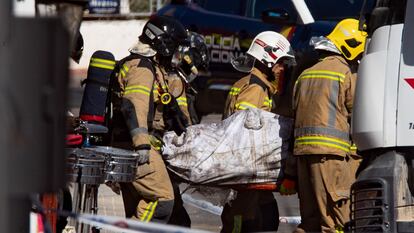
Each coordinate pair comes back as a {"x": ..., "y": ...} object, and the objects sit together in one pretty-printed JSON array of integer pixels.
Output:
[{"x": 174, "y": 118}]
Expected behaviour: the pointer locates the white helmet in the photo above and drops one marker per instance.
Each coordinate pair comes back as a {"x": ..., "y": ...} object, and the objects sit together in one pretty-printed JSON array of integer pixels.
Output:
[{"x": 268, "y": 47}]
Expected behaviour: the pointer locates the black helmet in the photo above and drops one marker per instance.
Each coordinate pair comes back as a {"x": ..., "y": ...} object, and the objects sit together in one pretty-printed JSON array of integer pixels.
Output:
[
  {"x": 191, "y": 56},
  {"x": 163, "y": 34},
  {"x": 199, "y": 50}
]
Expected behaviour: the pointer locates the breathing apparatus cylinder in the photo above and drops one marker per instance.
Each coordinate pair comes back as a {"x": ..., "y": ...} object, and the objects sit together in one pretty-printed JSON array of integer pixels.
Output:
[{"x": 101, "y": 67}]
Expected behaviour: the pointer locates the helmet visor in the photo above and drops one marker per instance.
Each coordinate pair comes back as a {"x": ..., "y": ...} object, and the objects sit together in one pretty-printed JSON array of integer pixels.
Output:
[{"x": 243, "y": 63}]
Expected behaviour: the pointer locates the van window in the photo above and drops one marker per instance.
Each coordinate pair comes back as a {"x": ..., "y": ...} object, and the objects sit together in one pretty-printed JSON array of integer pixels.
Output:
[
  {"x": 232, "y": 7},
  {"x": 258, "y": 6}
]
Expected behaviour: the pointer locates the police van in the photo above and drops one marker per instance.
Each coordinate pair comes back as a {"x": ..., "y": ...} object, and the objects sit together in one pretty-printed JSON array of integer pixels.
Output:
[{"x": 230, "y": 25}]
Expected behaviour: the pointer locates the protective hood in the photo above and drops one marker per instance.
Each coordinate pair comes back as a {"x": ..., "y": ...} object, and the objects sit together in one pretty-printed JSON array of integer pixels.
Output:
[
  {"x": 323, "y": 43},
  {"x": 142, "y": 49}
]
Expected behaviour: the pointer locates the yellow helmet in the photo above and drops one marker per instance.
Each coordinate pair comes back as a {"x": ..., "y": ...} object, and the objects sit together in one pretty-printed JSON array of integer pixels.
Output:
[{"x": 347, "y": 37}]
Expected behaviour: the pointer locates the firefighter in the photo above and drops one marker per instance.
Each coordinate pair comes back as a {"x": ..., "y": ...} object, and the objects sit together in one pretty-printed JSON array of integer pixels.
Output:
[
  {"x": 322, "y": 101},
  {"x": 256, "y": 210},
  {"x": 142, "y": 86},
  {"x": 190, "y": 57}
]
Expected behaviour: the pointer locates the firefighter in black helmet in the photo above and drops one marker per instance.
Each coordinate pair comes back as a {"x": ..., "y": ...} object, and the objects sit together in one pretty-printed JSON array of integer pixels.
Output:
[{"x": 142, "y": 82}]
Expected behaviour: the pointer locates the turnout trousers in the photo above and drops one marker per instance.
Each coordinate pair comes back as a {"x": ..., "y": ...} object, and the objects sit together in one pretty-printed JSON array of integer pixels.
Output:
[
  {"x": 251, "y": 211},
  {"x": 324, "y": 183},
  {"x": 150, "y": 197}
]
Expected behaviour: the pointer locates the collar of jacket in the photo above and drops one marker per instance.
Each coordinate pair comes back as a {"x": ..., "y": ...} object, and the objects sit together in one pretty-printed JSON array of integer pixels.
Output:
[
  {"x": 272, "y": 86},
  {"x": 338, "y": 57}
]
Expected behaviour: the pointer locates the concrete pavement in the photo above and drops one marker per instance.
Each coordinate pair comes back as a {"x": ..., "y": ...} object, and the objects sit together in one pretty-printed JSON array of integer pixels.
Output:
[{"x": 110, "y": 204}]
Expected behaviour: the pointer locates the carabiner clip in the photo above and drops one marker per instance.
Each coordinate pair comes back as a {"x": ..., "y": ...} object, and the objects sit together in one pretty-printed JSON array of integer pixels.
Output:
[{"x": 165, "y": 98}]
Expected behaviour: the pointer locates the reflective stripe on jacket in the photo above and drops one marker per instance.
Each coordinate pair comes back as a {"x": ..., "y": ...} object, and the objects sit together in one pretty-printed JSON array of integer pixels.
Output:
[
  {"x": 136, "y": 79},
  {"x": 252, "y": 91},
  {"x": 322, "y": 101}
]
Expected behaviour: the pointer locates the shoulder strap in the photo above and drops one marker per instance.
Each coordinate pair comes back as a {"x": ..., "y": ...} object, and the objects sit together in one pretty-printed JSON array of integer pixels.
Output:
[
  {"x": 256, "y": 80},
  {"x": 144, "y": 62}
]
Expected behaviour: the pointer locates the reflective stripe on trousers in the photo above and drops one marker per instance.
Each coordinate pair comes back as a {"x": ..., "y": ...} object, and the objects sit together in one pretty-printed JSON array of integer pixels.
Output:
[
  {"x": 323, "y": 141},
  {"x": 149, "y": 212}
]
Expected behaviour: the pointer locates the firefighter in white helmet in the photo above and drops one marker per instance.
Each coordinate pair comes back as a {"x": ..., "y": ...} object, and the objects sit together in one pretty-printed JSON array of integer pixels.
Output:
[{"x": 256, "y": 210}]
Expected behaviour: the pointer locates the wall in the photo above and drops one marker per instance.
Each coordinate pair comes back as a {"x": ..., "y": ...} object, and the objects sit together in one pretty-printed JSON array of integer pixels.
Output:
[{"x": 113, "y": 36}]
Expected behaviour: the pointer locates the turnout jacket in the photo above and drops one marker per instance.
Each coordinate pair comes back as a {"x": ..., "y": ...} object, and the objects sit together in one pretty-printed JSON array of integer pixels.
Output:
[
  {"x": 251, "y": 91},
  {"x": 142, "y": 83},
  {"x": 174, "y": 85},
  {"x": 322, "y": 102}
]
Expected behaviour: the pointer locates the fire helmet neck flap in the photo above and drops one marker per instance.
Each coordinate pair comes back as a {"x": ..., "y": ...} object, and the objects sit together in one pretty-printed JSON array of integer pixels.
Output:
[{"x": 163, "y": 34}]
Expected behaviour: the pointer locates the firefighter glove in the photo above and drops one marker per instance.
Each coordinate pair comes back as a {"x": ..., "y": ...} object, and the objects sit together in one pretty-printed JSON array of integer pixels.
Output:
[
  {"x": 287, "y": 187},
  {"x": 142, "y": 152}
]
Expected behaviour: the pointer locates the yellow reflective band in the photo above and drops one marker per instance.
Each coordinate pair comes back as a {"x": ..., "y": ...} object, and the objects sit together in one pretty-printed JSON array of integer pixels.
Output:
[
  {"x": 182, "y": 103},
  {"x": 108, "y": 67},
  {"x": 244, "y": 105},
  {"x": 323, "y": 144},
  {"x": 234, "y": 91},
  {"x": 325, "y": 141},
  {"x": 100, "y": 60},
  {"x": 237, "y": 224},
  {"x": 323, "y": 138},
  {"x": 151, "y": 213},
  {"x": 124, "y": 70},
  {"x": 325, "y": 74},
  {"x": 137, "y": 89},
  {"x": 146, "y": 211},
  {"x": 354, "y": 147},
  {"x": 312, "y": 76},
  {"x": 137, "y": 86},
  {"x": 268, "y": 102},
  {"x": 125, "y": 67}
]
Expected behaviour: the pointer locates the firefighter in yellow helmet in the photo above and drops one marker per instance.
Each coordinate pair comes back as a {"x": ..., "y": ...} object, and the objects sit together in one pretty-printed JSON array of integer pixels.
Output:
[
  {"x": 269, "y": 53},
  {"x": 322, "y": 101}
]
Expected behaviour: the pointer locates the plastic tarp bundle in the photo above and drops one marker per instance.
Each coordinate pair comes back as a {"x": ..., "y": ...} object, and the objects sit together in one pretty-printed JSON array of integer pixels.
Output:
[{"x": 245, "y": 148}]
